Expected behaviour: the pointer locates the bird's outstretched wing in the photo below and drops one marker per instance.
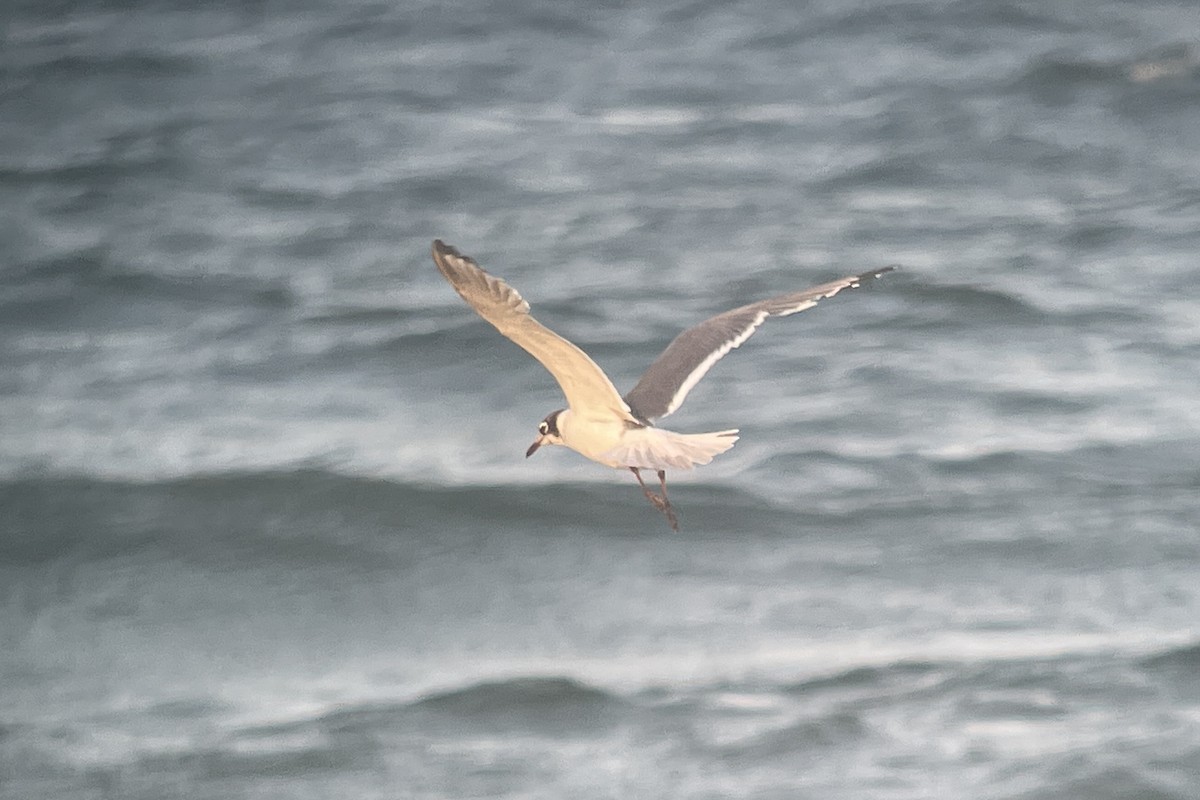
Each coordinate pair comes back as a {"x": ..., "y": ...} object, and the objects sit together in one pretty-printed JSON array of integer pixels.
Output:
[
  {"x": 587, "y": 388},
  {"x": 680, "y": 367}
]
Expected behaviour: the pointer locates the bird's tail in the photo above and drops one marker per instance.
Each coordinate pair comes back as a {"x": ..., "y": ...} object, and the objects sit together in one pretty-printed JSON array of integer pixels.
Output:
[{"x": 655, "y": 448}]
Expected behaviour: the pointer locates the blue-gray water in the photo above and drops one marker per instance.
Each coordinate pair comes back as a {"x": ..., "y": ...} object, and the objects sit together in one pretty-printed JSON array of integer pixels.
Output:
[{"x": 266, "y": 528}]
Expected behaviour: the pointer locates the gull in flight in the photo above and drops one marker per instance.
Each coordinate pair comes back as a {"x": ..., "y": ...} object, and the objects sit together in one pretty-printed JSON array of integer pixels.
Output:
[{"x": 598, "y": 422}]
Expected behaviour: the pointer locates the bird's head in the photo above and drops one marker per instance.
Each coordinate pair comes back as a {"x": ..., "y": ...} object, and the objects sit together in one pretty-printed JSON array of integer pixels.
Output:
[{"x": 547, "y": 433}]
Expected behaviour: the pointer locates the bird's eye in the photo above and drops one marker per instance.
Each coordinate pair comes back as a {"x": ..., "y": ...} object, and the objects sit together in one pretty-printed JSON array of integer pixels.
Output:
[{"x": 543, "y": 428}]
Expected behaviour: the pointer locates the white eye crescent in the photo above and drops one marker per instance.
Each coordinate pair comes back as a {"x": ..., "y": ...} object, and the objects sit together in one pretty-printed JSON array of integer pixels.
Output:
[{"x": 543, "y": 428}]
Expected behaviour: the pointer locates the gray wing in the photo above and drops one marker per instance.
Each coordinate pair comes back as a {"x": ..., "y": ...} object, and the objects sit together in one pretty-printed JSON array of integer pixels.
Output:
[
  {"x": 663, "y": 387},
  {"x": 584, "y": 384}
]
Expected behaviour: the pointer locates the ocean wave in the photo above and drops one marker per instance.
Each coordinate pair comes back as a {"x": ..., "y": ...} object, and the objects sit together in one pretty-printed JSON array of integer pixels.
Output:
[
  {"x": 900, "y": 170},
  {"x": 247, "y": 759},
  {"x": 131, "y": 64},
  {"x": 863, "y": 677},
  {"x": 231, "y": 518},
  {"x": 1158, "y": 464},
  {"x": 1093, "y": 776},
  {"x": 217, "y": 290},
  {"x": 304, "y": 516},
  {"x": 340, "y": 515},
  {"x": 93, "y": 172},
  {"x": 521, "y": 695},
  {"x": 92, "y": 274},
  {"x": 1185, "y": 657},
  {"x": 971, "y": 304},
  {"x": 940, "y": 307},
  {"x": 1055, "y": 79},
  {"x": 81, "y": 264},
  {"x": 548, "y": 704},
  {"x": 1059, "y": 80},
  {"x": 835, "y": 729}
]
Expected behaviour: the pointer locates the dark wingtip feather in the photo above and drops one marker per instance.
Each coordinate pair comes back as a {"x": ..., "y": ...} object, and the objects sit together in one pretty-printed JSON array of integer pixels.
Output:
[
  {"x": 875, "y": 273},
  {"x": 441, "y": 249}
]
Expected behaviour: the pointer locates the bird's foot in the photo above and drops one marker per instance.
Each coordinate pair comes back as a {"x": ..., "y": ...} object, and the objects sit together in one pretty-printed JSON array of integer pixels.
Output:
[
  {"x": 659, "y": 502},
  {"x": 664, "y": 505},
  {"x": 671, "y": 520}
]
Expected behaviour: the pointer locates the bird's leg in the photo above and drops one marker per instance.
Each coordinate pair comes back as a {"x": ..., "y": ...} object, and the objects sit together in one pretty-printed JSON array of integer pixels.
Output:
[
  {"x": 666, "y": 509},
  {"x": 660, "y": 503},
  {"x": 654, "y": 499}
]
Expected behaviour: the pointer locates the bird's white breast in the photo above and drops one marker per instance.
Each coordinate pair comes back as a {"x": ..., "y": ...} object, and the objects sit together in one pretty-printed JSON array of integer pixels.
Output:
[
  {"x": 610, "y": 441},
  {"x": 593, "y": 437}
]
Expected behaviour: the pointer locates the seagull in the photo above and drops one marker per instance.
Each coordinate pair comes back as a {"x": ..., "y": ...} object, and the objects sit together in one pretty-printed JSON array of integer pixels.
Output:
[{"x": 598, "y": 422}]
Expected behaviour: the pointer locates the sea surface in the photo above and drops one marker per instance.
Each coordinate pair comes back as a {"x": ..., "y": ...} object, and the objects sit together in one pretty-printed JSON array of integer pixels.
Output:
[{"x": 266, "y": 525}]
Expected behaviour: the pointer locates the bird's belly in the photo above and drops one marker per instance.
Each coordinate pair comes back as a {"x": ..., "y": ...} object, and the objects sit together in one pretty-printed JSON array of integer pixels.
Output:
[
  {"x": 595, "y": 439},
  {"x": 613, "y": 443},
  {"x": 655, "y": 448}
]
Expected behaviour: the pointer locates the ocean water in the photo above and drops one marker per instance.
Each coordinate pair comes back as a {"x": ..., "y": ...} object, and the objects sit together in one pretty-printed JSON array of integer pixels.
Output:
[{"x": 266, "y": 527}]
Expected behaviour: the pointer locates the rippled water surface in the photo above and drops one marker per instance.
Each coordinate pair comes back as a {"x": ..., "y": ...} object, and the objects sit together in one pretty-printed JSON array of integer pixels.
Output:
[{"x": 266, "y": 527}]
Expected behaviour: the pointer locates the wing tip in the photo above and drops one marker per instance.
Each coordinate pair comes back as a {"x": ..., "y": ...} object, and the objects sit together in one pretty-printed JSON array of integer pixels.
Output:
[
  {"x": 857, "y": 280},
  {"x": 442, "y": 250},
  {"x": 882, "y": 270},
  {"x": 472, "y": 282},
  {"x": 453, "y": 264}
]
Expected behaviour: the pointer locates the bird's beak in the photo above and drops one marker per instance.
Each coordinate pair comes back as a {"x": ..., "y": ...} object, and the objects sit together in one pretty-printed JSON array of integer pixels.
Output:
[{"x": 533, "y": 448}]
